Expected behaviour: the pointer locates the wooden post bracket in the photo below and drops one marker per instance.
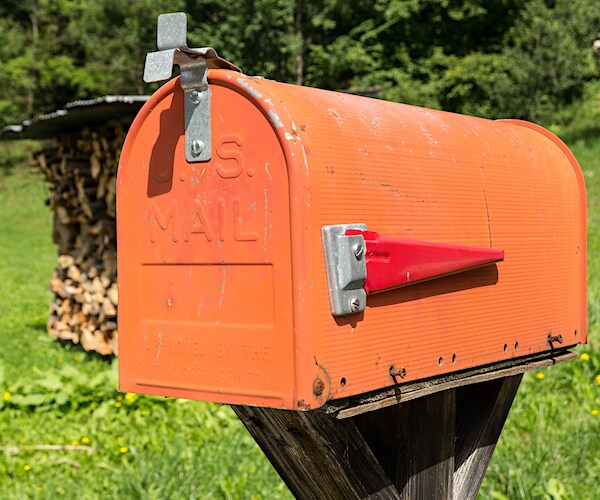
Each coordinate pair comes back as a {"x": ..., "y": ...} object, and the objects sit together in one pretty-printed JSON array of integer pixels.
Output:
[{"x": 435, "y": 445}]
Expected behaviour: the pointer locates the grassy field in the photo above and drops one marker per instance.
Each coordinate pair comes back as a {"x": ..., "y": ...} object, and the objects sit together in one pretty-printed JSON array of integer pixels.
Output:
[{"x": 65, "y": 430}]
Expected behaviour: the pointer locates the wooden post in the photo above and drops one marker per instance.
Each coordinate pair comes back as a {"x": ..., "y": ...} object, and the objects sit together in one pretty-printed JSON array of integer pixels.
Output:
[
  {"x": 437, "y": 446},
  {"x": 414, "y": 443},
  {"x": 429, "y": 439},
  {"x": 481, "y": 411},
  {"x": 317, "y": 455}
]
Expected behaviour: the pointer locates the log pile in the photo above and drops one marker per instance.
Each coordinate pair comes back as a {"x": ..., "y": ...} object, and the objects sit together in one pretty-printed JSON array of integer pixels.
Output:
[{"x": 81, "y": 169}]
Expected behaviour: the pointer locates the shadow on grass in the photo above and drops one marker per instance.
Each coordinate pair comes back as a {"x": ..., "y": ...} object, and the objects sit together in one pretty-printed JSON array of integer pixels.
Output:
[
  {"x": 14, "y": 154},
  {"x": 38, "y": 326},
  {"x": 41, "y": 327},
  {"x": 72, "y": 346}
]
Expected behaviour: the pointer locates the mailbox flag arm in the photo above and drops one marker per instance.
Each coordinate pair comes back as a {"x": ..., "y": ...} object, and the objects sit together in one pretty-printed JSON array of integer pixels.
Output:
[
  {"x": 393, "y": 262},
  {"x": 360, "y": 262}
]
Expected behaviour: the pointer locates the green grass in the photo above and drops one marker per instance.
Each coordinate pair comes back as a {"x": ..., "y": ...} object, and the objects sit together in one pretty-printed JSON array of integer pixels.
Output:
[{"x": 146, "y": 447}]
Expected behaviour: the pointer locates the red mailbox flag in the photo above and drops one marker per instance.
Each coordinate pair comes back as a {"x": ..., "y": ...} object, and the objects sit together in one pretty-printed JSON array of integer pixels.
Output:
[{"x": 392, "y": 262}]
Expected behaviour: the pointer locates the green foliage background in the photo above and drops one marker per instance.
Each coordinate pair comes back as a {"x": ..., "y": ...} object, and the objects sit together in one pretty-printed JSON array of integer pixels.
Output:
[
  {"x": 517, "y": 58},
  {"x": 135, "y": 446},
  {"x": 529, "y": 59}
]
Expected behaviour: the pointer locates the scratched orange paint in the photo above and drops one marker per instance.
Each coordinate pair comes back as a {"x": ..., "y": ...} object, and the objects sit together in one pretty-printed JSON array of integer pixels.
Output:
[{"x": 223, "y": 288}]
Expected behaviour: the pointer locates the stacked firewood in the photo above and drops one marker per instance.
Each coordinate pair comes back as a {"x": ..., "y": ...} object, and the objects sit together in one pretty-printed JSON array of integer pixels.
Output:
[{"x": 81, "y": 169}]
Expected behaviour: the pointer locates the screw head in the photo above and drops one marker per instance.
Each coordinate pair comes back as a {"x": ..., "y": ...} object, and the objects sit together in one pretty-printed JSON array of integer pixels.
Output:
[
  {"x": 359, "y": 251},
  {"x": 197, "y": 147},
  {"x": 195, "y": 97},
  {"x": 318, "y": 387},
  {"x": 355, "y": 305},
  {"x": 395, "y": 372}
]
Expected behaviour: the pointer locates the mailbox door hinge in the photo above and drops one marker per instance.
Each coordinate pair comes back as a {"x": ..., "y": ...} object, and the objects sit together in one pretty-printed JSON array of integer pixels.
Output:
[
  {"x": 194, "y": 65},
  {"x": 361, "y": 263}
]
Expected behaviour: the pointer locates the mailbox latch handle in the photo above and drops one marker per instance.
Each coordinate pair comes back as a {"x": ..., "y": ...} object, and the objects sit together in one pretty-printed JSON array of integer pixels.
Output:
[
  {"x": 361, "y": 263},
  {"x": 194, "y": 65}
]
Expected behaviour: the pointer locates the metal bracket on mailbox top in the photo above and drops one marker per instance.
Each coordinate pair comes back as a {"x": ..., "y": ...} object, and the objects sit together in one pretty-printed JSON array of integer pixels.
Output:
[
  {"x": 194, "y": 64},
  {"x": 346, "y": 268}
]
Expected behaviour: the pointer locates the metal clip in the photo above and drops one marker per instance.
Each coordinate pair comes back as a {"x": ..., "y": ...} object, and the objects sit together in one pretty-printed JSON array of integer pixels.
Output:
[
  {"x": 552, "y": 339},
  {"x": 346, "y": 268},
  {"x": 194, "y": 64}
]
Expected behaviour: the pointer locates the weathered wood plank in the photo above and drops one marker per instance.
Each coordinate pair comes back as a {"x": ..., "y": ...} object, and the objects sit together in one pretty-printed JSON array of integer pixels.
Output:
[
  {"x": 481, "y": 410},
  {"x": 317, "y": 455},
  {"x": 414, "y": 443},
  {"x": 407, "y": 392}
]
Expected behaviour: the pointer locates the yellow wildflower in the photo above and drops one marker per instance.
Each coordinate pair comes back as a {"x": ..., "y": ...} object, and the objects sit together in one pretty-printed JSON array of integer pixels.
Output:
[
  {"x": 595, "y": 412},
  {"x": 123, "y": 449},
  {"x": 130, "y": 396},
  {"x": 117, "y": 405},
  {"x": 597, "y": 379},
  {"x": 540, "y": 376},
  {"x": 74, "y": 442},
  {"x": 6, "y": 396},
  {"x": 85, "y": 440},
  {"x": 119, "y": 398},
  {"x": 585, "y": 357},
  {"x": 27, "y": 468},
  {"x": 39, "y": 489},
  {"x": 22, "y": 440}
]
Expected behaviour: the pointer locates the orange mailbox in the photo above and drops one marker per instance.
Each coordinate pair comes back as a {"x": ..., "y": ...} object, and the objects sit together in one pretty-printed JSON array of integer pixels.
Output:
[{"x": 284, "y": 246}]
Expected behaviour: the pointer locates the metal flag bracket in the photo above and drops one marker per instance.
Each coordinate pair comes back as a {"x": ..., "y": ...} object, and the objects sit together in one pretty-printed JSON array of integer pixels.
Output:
[{"x": 194, "y": 65}]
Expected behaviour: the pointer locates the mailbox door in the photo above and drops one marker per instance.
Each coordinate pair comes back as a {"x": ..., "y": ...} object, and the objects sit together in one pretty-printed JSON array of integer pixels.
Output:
[{"x": 205, "y": 306}]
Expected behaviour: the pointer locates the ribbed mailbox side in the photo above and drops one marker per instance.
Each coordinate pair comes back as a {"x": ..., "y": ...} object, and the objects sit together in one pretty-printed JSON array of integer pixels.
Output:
[{"x": 420, "y": 174}]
